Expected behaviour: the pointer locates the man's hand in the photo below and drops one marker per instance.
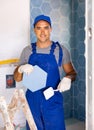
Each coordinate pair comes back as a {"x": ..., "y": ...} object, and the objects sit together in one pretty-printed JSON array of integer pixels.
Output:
[
  {"x": 64, "y": 85},
  {"x": 27, "y": 68}
]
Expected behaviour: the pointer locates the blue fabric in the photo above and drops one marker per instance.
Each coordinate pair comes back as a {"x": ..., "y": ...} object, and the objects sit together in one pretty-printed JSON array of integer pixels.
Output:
[
  {"x": 60, "y": 54},
  {"x": 42, "y": 17},
  {"x": 48, "y": 114}
]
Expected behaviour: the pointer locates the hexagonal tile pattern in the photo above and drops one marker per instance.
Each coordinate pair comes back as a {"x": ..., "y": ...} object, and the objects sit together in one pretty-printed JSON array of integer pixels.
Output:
[
  {"x": 46, "y": 8},
  {"x": 68, "y": 22}
]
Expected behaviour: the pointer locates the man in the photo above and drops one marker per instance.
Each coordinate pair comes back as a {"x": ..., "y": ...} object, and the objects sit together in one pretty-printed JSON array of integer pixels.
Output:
[{"x": 51, "y": 57}]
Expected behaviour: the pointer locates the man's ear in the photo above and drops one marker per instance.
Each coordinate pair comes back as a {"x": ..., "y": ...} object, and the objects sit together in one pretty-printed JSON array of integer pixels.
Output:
[{"x": 51, "y": 29}]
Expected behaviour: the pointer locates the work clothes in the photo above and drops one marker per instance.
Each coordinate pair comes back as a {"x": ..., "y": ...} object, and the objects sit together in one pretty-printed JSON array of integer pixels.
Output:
[{"x": 48, "y": 114}]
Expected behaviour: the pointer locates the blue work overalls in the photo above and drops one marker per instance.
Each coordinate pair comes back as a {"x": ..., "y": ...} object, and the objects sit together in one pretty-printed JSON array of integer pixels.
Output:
[{"x": 48, "y": 114}]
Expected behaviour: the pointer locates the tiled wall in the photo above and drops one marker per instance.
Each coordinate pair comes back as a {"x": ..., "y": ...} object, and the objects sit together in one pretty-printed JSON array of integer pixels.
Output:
[
  {"x": 78, "y": 36},
  {"x": 68, "y": 28}
]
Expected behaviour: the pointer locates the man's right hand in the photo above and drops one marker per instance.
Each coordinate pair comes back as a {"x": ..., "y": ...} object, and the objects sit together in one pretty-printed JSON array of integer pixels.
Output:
[
  {"x": 27, "y": 68},
  {"x": 64, "y": 85}
]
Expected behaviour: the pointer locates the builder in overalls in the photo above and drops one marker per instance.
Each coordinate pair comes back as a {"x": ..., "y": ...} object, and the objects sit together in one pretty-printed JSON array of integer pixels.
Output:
[{"x": 52, "y": 57}]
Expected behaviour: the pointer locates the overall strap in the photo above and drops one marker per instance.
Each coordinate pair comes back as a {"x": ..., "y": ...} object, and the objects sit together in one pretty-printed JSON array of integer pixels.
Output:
[
  {"x": 53, "y": 46},
  {"x": 33, "y": 46},
  {"x": 60, "y": 54}
]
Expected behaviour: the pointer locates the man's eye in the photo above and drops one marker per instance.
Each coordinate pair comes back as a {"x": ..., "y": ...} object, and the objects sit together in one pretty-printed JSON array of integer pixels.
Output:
[
  {"x": 38, "y": 28},
  {"x": 47, "y": 27}
]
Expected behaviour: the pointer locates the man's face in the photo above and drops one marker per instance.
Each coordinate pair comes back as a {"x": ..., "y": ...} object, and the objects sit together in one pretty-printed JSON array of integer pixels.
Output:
[{"x": 42, "y": 30}]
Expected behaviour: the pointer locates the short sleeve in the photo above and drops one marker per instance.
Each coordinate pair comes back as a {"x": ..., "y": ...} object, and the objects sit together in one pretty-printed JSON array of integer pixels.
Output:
[
  {"x": 66, "y": 55},
  {"x": 24, "y": 57}
]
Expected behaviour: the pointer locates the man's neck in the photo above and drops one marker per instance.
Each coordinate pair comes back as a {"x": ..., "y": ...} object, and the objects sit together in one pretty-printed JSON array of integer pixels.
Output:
[{"x": 43, "y": 44}]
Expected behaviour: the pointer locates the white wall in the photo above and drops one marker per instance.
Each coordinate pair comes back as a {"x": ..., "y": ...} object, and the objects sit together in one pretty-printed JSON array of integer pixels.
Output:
[
  {"x": 14, "y": 27},
  {"x": 14, "y": 36}
]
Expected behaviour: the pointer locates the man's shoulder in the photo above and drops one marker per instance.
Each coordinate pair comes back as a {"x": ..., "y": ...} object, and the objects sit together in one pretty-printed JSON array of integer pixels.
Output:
[
  {"x": 62, "y": 46},
  {"x": 27, "y": 50},
  {"x": 28, "y": 47}
]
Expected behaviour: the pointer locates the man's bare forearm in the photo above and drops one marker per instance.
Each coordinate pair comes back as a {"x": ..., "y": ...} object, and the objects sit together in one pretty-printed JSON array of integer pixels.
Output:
[{"x": 72, "y": 75}]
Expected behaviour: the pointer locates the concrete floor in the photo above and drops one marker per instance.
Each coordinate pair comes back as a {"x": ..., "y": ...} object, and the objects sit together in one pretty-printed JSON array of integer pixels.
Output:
[
  {"x": 71, "y": 124},
  {"x": 74, "y": 124}
]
